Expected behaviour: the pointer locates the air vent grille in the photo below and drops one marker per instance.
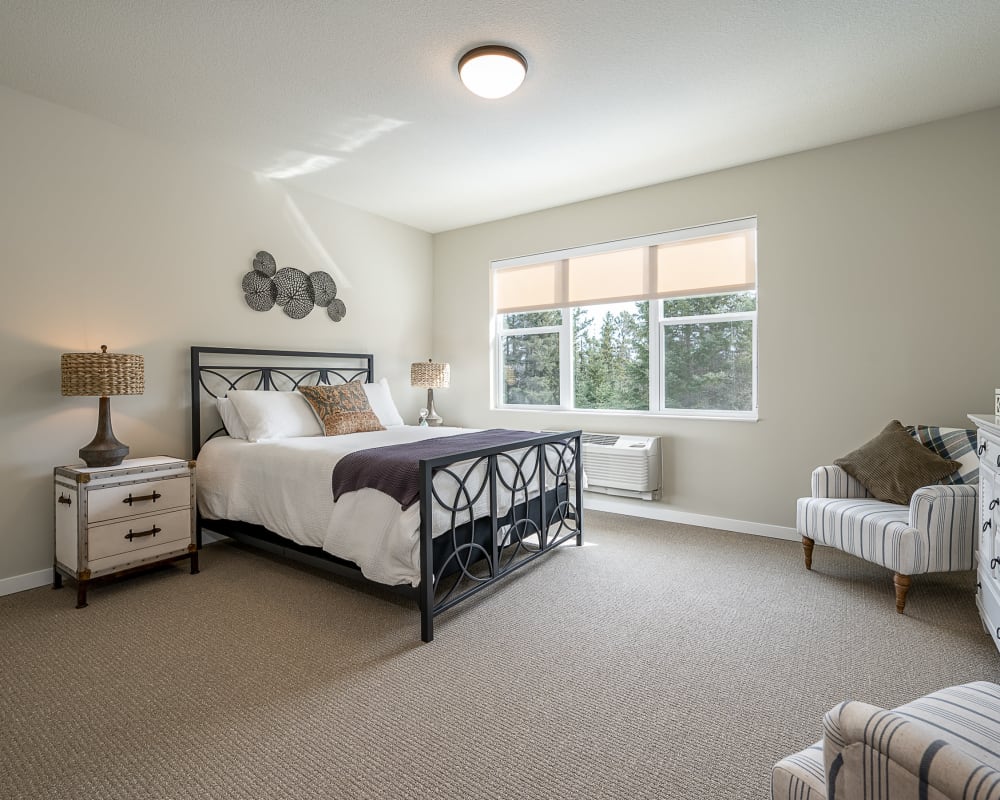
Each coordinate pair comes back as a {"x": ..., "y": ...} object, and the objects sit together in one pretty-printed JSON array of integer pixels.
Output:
[{"x": 600, "y": 438}]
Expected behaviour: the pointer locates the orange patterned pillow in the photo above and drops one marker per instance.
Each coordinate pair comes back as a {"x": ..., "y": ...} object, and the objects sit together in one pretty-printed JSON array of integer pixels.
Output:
[{"x": 342, "y": 409}]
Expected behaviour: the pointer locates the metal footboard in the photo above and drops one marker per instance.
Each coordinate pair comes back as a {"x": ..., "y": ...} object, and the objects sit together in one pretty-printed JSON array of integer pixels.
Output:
[{"x": 494, "y": 510}]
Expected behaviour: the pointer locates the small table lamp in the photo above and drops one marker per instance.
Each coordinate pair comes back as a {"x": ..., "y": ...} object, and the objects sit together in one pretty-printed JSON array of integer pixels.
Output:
[
  {"x": 430, "y": 375},
  {"x": 102, "y": 375}
]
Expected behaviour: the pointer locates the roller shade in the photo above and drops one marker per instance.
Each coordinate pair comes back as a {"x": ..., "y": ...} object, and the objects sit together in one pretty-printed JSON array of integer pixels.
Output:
[
  {"x": 530, "y": 288},
  {"x": 709, "y": 265},
  {"x": 690, "y": 266}
]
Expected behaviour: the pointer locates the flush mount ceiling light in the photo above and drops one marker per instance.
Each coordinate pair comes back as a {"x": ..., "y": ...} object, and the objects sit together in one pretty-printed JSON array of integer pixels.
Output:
[{"x": 492, "y": 71}]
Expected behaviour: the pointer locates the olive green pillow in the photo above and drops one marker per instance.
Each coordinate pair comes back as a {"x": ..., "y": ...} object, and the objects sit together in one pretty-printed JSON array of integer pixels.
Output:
[{"x": 893, "y": 465}]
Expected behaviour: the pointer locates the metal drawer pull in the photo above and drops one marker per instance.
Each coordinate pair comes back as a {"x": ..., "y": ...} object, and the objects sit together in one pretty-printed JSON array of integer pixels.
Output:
[
  {"x": 65, "y": 500},
  {"x": 987, "y": 524},
  {"x": 982, "y": 449},
  {"x": 154, "y": 497},
  {"x": 998, "y": 461},
  {"x": 151, "y": 532},
  {"x": 994, "y": 563},
  {"x": 994, "y": 503}
]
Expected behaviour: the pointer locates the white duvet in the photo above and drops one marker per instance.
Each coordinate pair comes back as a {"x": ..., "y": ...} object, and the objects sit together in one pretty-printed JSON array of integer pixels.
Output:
[{"x": 285, "y": 486}]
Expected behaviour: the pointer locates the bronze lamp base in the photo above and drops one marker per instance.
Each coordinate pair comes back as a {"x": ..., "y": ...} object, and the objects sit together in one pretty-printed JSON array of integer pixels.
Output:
[{"x": 104, "y": 450}]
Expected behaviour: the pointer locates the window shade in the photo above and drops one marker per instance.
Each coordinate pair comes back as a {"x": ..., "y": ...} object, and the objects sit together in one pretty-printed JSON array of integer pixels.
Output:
[
  {"x": 690, "y": 266},
  {"x": 532, "y": 288},
  {"x": 607, "y": 277},
  {"x": 710, "y": 265}
]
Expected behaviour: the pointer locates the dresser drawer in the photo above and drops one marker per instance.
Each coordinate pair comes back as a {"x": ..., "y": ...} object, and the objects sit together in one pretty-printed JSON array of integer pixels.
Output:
[
  {"x": 115, "y": 502},
  {"x": 989, "y": 607},
  {"x": 988, "y": 449},
  {"x": 131, "y": 535}
]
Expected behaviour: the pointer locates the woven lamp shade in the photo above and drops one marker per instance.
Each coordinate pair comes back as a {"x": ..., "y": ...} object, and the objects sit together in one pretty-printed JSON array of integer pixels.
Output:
[
  {"x": 102, "y": 374},
  {"x": 430, "y": 375}
]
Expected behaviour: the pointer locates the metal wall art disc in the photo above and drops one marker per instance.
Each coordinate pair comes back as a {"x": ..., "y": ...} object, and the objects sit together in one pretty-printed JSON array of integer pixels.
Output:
[
  {"x": 337, "y": 310},
  {"x": 291, "y": 289},
  {"x": 264, "y": 262},
  {"x": 324, "y": 289},
  {"x": 295, "y": 293},
  {"x": 259, "y": 291}
]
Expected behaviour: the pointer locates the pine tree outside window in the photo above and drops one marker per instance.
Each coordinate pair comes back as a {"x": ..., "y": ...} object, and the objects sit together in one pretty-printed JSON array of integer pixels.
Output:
[{"x": 663, "y": 324}]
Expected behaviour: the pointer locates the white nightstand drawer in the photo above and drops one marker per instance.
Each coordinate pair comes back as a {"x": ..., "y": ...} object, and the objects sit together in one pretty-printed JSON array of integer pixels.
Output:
[
  {"x": 147, "y": 555},
  {"x": 131, "y": 535},
  {"x": 129, "y": 500}
]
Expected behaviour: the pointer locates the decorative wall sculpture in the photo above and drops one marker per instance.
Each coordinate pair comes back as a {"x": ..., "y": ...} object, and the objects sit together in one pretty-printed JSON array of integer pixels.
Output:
[{"x": 265, "y": 286}]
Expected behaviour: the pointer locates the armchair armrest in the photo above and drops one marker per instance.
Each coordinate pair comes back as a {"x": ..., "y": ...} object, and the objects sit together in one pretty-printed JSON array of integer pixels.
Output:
[
  {"x": 945, "y": 517},
  {"x": 865, "y": 747},
  {"x": 834, "y": 482}
]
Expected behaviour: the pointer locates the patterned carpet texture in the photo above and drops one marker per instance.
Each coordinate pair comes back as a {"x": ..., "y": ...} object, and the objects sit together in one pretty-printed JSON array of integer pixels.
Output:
[{"x": 659, "y": 660}]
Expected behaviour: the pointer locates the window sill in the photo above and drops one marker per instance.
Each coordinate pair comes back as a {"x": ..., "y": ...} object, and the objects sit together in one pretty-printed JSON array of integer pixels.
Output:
[{"x": 721, "y": 416}]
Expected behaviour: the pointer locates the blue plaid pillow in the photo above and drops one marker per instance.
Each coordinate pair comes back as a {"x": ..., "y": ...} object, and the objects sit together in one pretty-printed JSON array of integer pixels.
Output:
[{"x": 957, "y": 444}]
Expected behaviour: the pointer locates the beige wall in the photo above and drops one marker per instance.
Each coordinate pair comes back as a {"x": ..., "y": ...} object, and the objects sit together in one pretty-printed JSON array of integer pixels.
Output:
[
  {"x": 110, "y": 238},
  {"x": 879, "y": 281}
]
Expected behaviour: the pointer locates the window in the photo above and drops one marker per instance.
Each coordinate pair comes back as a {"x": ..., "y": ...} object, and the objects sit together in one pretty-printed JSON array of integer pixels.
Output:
[{"x": 660, "y": 324}]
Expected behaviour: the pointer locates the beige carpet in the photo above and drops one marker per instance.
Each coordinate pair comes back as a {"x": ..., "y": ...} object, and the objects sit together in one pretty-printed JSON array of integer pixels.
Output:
[{"x": 659, "y": 660}]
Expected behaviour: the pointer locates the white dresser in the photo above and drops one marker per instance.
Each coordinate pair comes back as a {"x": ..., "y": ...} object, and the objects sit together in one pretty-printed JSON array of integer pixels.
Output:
[
  {"x": 988, "y": 570},
  {"x": 111, "y": 520}
]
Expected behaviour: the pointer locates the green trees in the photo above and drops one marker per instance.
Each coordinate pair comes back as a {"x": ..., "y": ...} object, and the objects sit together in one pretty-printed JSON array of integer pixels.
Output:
[
  {"x": 706, "y": 354},
  {"x": 531, "y": 361},
  {"x": 611, "y": 368},
  {"x": 708, "y": 364}
]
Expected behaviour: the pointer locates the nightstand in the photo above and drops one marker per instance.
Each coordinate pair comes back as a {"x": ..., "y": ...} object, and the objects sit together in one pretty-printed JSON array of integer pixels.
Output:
[{"x": 114, "y": 520}]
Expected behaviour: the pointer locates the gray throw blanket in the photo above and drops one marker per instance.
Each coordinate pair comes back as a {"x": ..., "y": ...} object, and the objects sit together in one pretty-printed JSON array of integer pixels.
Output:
[{"x": 395, "y": 469}]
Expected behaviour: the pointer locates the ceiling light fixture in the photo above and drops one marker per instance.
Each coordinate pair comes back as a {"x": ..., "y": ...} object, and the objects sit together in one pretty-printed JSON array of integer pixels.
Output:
[{"x": 492, "y": 71}]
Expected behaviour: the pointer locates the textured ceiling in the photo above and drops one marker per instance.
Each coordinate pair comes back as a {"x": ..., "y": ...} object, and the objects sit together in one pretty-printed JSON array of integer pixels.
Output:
[{"x": 360, "y": 101}]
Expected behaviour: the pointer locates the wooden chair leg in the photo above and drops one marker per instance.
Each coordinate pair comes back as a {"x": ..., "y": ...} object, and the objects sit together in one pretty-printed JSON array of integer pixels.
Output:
[
  {"x": 902, "y": 583},
  {"x": 807, "y": 546}
]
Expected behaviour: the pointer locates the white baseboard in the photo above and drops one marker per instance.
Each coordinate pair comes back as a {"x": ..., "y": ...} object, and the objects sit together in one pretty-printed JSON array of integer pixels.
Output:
[
  {"x": 32, "y": 580},
  {"x": 653, "y": 510},
  {"x": 21, "y": 583}
]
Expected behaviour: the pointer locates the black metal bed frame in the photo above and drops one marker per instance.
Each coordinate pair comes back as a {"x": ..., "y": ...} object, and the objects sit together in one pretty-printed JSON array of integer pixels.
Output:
[{"x": 532, "y": 488}]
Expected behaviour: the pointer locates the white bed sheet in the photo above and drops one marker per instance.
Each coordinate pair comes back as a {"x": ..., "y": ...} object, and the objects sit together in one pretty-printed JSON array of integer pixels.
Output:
[{"x": 237, "y": 481}]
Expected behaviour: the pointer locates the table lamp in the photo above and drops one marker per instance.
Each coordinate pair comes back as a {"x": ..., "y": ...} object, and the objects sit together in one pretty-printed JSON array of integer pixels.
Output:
[
  {"x": 102, "y": 375},
  {"x": 430, "y": 375}
]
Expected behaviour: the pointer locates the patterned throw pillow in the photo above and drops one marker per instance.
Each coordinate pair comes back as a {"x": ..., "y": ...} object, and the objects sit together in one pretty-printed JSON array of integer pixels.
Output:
[
  {"x": 957, "y": 444},
  {"x": 893, "y": 465},
  {"x": 342, "y": 409}
]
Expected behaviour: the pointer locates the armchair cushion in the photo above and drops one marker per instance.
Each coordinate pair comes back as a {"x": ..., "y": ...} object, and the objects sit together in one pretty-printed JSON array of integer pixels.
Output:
[{"x": 893, "y": 465}]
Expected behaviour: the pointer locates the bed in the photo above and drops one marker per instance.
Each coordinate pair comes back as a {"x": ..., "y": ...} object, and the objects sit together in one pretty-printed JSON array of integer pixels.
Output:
[{"x": 475, "y": 506}]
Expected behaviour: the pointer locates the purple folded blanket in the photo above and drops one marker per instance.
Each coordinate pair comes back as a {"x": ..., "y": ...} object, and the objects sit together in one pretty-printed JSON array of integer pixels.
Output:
[{"x": 395, "y": 469}]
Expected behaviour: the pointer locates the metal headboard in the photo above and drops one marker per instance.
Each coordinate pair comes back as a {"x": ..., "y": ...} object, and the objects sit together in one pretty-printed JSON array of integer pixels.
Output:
[{"x": 216, "y": 370}]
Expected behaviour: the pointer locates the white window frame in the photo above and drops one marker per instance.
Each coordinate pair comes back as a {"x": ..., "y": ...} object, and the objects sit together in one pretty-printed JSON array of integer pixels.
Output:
[
  {"x": 565, "y": 369},
  {"x": 698, "y": 319},
  {"x": 657, "y": 323}
]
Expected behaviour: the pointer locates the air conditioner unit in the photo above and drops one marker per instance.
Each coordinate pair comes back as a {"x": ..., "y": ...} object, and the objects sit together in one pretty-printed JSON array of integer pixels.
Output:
[{"x": 622, "y": 465}]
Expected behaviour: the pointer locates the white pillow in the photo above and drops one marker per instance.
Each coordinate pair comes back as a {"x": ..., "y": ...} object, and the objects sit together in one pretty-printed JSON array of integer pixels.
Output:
[
  {"x": 232, "y": 421},
  {"x": 380, "y": 399},
  {"x": 274, "y": 415}
]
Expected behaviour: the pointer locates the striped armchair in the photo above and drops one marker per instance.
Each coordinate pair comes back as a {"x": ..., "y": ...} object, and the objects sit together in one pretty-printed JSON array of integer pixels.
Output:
[
  {"x": 936, "y": 532},
  {"x": 944, "y": 745}
]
